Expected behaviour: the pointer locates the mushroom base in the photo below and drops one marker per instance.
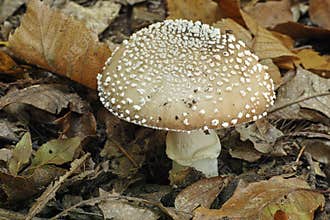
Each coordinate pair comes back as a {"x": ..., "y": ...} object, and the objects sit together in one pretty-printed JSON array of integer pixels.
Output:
[{"x": 195, "y": 149}]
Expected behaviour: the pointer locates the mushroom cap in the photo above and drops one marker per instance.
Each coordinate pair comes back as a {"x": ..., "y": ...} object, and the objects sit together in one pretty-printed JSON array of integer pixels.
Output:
[{"x": 181, "y": 75}]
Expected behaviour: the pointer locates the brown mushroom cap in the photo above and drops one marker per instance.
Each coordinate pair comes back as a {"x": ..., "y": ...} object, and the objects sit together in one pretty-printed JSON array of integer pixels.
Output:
[{"x": 181, "y": 75}]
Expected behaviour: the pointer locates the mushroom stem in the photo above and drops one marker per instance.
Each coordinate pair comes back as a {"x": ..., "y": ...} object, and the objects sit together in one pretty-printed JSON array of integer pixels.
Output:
[{"x": 194, "y": 149}]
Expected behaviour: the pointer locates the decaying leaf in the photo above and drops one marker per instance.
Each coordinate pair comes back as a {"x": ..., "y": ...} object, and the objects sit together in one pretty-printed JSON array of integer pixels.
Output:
[
  {"x": 319, "y": 11},
  {"x": 301, "y": 31},
  {"x": 245, "y": 151},
  {"x": 201, "y": 193},
  {"x": 56, "y": 152},
  {"x": 305, "y": 84},
  {"x": 240, "y": 32},
  {"x": 262, "y": 200},
  {"x": 52, "y": 188},
  {"x": 122, "y": 209},
  {"x": 48, "y": 97},
  {"x": 206, "y": 11},
  {"x": 8, "y": 7},
  {"x": 8, "y": 65},
  {"x": 9, "y": 130},
  {"x": 262, "y": 134},
  {"x": 21, "y": 154},
  {"x": 271, "y": 13},
  {"x": 310, "y": 59},
  {"x": 318, "y": 148},
  {"x": 231, "y": 9},
  {"x": 58, "y": 43},
  {"x": 273, "y": 71},
  {"x": 18, "y": 188},
  {"x": 77, "y": 125},
  {"x": 265, "y": 44},
  {"x": 97, "y": 17}
]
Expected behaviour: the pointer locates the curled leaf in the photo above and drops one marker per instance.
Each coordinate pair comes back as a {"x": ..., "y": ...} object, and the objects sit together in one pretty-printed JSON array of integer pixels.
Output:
[{"x": 58, "y": 43}]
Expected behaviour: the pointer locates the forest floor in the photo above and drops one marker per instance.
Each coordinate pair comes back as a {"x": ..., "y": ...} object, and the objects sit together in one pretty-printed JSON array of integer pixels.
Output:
[{"x": 64, "y": 156}]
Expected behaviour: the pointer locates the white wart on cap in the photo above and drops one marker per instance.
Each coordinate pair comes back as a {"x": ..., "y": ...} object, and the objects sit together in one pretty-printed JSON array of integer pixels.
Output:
[{"x": 181, "y": 75}]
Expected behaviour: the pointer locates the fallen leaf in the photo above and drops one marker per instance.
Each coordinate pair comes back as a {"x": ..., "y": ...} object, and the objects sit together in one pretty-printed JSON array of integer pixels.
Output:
[
  {"x": 146, "y": 14},
  {"x": 319, "y": 12},
  {"x": 305, "y": 84},
  {"x": 8, "y": 7},
  {"x": 58, "y": 43},
  {"x": 21, "y": 154},
  {"x": 201, "y": 193},
  {"x": 9, "y": 130},
  {"x": 52, "y": 188},
  {"x": 261, "y": 200},
  {"x": 5, "y": 154},
  {"x": 122, "y": 209},
  {"x": 52, "y": 98},
  {"x": 262, "y": 134},
  {"x": 240, "y": 32},
  {"x": 231, "y": 9},
  {"x": 245, "y": 151},
  {"x": 273, "y": 71},
  {"x": 265, "y": 44},
  {"x": 301, "y": 31},
  {"x": 20, "y": 188},
  {"x": 97, "y": 17},
  {"x": 318, "y": 148},
  {"x": 311, "y": 60},
  {"x": 206, "y": 11},
  {"x": 271, "y": 13},
  {"x": 56, "y": 152},
  {"x": 8, "y": 65},
  {"x": 77, "y": 125}
]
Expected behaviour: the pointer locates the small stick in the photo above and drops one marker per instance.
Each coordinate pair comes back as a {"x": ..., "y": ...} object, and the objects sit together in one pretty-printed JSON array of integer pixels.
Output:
[{"x": 129, "y": 157}]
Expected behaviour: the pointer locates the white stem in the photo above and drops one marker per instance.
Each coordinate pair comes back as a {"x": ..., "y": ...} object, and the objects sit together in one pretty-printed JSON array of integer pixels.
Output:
[{"x": 195, "y": 149}]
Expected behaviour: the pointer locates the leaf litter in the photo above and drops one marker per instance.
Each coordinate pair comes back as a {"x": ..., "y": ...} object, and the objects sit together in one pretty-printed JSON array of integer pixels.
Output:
[{"x": 49, "y": 123}]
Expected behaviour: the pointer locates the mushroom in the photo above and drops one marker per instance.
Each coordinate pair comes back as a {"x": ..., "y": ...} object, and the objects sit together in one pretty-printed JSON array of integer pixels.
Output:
[{"x": 187, "y": 78}]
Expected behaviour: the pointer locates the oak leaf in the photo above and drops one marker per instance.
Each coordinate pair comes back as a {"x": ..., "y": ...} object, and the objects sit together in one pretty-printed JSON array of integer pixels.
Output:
[
  {"x": 58, "y": 43},
  {"x": 262, "y": 200},
  {"x": 206, "y": 11}
]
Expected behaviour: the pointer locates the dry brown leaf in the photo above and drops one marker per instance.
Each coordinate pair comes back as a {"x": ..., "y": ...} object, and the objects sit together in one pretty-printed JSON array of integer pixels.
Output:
[
  {"x": 299, "y": 31},
  {"x": 319, "y": 12},
  {"x": 8, "y": 65},
  {"x": 262, "y": 134},
  {"x": 200, "y": 193},
  {"x": 318, "y": 148},
  {"x": 52, "y": 98},
  {"x": 271, "y": 13},
  {"x": 244, "y": 151},
  {"x": 97, "y": 17},
  {"x": 8, "y": 7},
  {"x": 20, "y": 188},
  {"x": 206, "y": 11},
  {"x": 77, "y": 125},
  {"x": 310, "y": 59},
  {"x": 273, "y": 71},
  {"x": 265, "y": 44},
  {"x": 122, "y": 209},
  {"x": 231, "y": 9},
  {"x": 240, "y": 32},
  {"x": 304, "y": 85},
  {"x": 56, "y": 42},
  {"x": 261, "y": 200}
]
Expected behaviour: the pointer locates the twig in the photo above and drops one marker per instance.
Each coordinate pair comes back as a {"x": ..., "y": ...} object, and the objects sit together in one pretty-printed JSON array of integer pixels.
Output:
[
  {"x": 300, "y": 153},
  {"x": 129, "y": 157},
  {"x": 297, "y": 101},
  {"x": 111, "y": 197},
  {"x": 51, "y": 190}
]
